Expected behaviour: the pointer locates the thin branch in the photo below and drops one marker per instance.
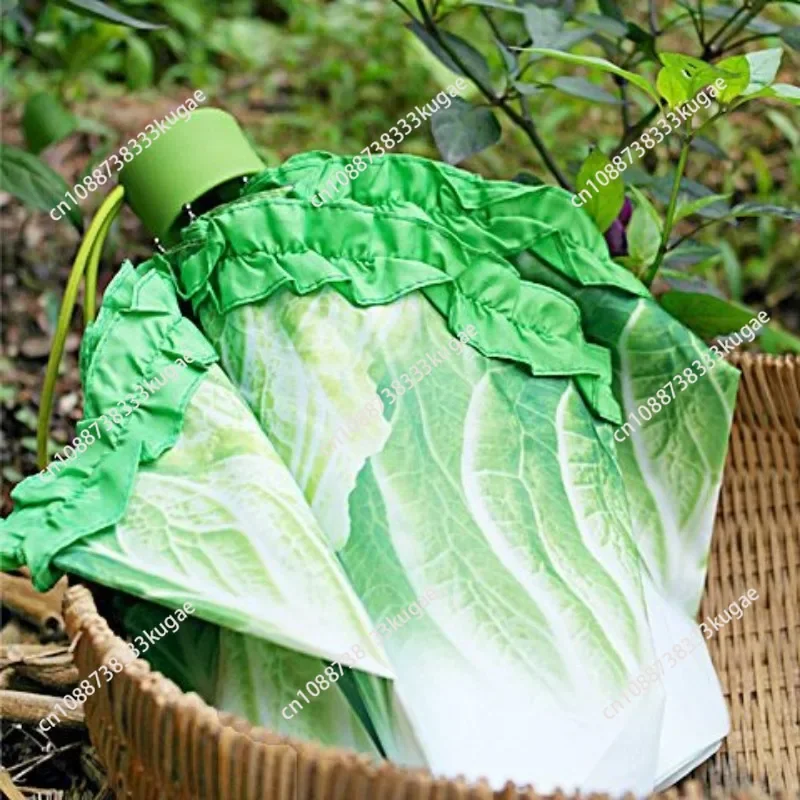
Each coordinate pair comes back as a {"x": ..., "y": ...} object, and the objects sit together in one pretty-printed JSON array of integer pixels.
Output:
[
  {"x": 692, "y": 232},
  {"x": 708, "y": 50},
  {"x": 652, "y": 270},
  {"x": 495, "y": 30},
  {"x": 695, "y": 25},
  {"x": 526, "y": 125},
  {"x": 636, "y": 130},
  {"x": 653, "y": 17},
  {"x": 702, "y": 31},
  {"x": 403, "y": 8},
  {"x": 737, "y": 29},
  {"x": 673, "y": 22},
  {"x": 746, "y": 40},
  {"x": 41, "y": 759},
  {"x": 624, "y": 111}
]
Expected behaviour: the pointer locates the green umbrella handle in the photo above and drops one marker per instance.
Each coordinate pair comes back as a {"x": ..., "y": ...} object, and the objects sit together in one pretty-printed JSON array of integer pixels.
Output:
[
  {"x": 201, "y": 153},
  {"x": 89, "y": 251},
  {"x": 183, "y": 163}
]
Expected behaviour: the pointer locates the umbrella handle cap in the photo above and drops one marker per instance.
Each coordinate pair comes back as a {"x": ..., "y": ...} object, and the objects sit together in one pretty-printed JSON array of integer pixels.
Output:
[{"x": 193, "y": 156}]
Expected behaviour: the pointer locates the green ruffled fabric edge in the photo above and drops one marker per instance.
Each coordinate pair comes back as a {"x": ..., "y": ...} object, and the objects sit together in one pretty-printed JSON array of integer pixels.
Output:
[
  {"x": 514, "y": 217},
  {"x": 243, "y": 252},
  {"x": 139, "y": 331}
]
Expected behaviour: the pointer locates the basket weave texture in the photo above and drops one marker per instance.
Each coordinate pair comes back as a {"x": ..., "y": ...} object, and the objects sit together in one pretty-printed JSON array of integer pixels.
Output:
[{"x": 157, "y": 742}]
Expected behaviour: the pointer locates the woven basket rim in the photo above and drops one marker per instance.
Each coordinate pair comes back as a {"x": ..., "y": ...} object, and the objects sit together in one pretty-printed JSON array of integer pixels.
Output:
[{"x": 96, "y": 643}]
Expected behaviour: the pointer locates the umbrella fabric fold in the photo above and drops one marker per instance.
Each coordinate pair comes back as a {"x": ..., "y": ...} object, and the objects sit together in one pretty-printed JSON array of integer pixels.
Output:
[{"x": 489, "y": 471}]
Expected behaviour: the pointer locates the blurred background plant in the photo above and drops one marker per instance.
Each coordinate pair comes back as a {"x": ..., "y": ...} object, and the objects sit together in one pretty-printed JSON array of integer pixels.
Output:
[{"x": 80, "y": 77}]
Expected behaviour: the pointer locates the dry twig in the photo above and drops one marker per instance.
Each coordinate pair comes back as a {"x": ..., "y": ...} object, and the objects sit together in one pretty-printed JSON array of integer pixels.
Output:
[
  {"x": 40, "y": 609},
  {"x": 33, "y": 708}
]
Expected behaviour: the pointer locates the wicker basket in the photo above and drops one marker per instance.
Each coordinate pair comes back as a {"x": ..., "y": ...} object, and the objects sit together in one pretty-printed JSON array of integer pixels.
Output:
[{"x": 157, "y": 742}]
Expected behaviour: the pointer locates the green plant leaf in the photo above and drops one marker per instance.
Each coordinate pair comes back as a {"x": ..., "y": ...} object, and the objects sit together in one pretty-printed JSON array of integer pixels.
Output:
[
  {"x": 689, "y": 66},
  {"x": 139, "y": 63},
  {"x": 471, "y": 58},
  {"x": 690, "y": 73},
  {"x": 543, "y": 25},
  {"x": 186, "y": 14},
  {"x": 602, "y": 64},
  {"x": 580, "y": 87},
  {"x": 764, "y": 210},
  {"x": 644, "y": 234},
  {"x": 30, "y": 180},
  {"x": 45, "y": 121},
  {"x": 528, "y": 89},
  {"x": 791, "y": 35},
  {"x": 528, "y": 178},
  {"x": 498, "y": 4},
  {"x": 672, "y": 86},
  {"x": 786, "y": 91},
  {"x": 782, "y": 91},
  {"x": 546, "y": 29},
  {"x": 509, "y": 59},
  {"x": 690, "y": 254},
  {"x": 644, "y": 40},
  {"x": 604, "y": 24},
  {"x": 662, "y": 187},
  {"x": 463, "y": 130},
  {"x": 738, "y": 80},
  {"x": 694, "y": 206},
  {"x": 684, "y": 282},
  {"x": 764, "y": 65},
  {"x": 776, "y": 341},
  {"x": 102, "y": 11},
  {"x": 603, "y": 205},
  {"x": 710, "y": 317},
  {"x": 762, "y": 171},
  {"x": 710, "y": 148},
  {"x": 757, "y": 24},
  {"x": 733, "y": 269},
  {"x": 609, "y": 8},
  {"x": 785, "y": 126},
  {"x": 642, "y": 200},
  {"x": 706, "y": 315}
]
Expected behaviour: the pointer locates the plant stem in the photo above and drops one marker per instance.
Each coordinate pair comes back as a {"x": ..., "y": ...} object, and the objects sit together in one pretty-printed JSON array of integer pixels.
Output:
[
  {"x": 652, "y": 270},
  {"x": 527, "y": 125},
  {"x": 636, "y": 130},
  {"x": 693, "y": 231},
  {"x": 672, "y": 23},
  {"x": 737, "y": 29},
  {"x": 695, "y": 24},
  {"x": 495, "y": 30},
  {"x": 702, "y": 31},
  {"x": 746, "y": 40},
  {"x": 400, "y": 5},
  {"x": 707, "y": 50},
  {"x": 623, "y": 96},
  {"x": 652, "y": 17}
]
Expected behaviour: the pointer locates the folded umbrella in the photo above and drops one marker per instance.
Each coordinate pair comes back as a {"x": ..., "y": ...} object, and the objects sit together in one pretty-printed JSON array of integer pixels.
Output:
[
  {"x": 451, "y": 426},
  {"x": 492, "y": 473}
]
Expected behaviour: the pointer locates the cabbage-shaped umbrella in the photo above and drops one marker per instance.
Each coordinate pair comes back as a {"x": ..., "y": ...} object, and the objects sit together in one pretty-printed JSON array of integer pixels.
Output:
[{"x": 451, "y": 425}]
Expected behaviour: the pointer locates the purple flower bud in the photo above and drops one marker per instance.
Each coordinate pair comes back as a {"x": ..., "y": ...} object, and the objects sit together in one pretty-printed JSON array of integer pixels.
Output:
[
  {"x": 624, "y": 215},
  {"x": 616, "y": 239}
]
